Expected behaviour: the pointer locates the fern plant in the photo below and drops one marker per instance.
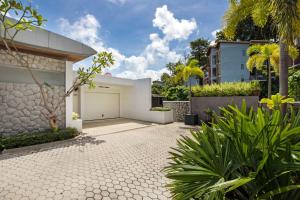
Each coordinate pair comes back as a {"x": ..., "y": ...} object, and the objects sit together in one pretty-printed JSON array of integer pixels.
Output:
[{"x": 243, "y": 155}]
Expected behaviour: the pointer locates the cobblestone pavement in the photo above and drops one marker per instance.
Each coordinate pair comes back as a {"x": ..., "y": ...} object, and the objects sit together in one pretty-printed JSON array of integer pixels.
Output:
[{"x": 125, "y": 165}]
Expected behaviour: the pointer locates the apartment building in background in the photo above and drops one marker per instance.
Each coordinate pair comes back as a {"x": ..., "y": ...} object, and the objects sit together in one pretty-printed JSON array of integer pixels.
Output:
[{"x": 227, "y": 62}]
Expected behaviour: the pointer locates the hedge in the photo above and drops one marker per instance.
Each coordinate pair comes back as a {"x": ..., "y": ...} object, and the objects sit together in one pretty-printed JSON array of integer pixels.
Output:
[
  {"x": 227, "y": 89},
  {"x": 27, "y": 139},
  {"x": 162, "y": 109}
]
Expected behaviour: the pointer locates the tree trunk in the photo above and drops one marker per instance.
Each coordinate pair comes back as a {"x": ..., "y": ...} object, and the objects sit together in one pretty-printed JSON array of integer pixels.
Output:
[
  {"x": 283, "y": 72},
  {"x": 269, "y": 79},
  {"x": 53, "y": 122}
]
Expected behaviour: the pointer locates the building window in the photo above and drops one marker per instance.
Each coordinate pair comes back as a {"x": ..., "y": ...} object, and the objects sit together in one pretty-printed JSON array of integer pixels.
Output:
[
  {"x": 244, "y": 52},
  {"x": 242, "y": 66},
  {"x": 214, "y": 60},
  {"x": 214, "y": 71}
]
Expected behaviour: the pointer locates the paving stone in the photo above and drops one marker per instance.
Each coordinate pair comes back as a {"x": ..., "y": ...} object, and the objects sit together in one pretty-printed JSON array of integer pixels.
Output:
[{"x": 125, "y": 165}]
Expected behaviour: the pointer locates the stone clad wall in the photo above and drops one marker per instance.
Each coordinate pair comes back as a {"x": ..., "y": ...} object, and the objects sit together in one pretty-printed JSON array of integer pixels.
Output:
[
  {"x": 21, "y": 104},
  {"x": 21, "y": 109},
  {"x": 37, "y": 62},
  {"x": 180, "y": 108}
]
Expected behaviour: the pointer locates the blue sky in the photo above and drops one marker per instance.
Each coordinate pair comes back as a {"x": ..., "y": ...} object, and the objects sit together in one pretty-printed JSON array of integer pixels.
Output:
[{"x": 142, "y": 34}]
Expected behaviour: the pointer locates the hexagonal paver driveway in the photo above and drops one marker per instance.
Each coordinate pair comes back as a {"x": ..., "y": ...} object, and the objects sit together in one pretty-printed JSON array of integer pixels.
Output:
[{"x": 124, "y": 165}]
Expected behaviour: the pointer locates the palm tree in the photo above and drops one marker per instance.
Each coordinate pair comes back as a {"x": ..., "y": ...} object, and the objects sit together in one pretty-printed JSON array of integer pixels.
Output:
[
  {"x": 185, "y": 72},
  {"x": 285, "y": 15},
  {"x": 267, "y": 57}
]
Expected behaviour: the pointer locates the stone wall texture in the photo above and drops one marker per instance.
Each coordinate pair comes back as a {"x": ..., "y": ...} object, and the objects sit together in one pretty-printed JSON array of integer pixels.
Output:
[
  {"x": 36, "y": 62},
  {"x": 21, "y": 105},
  {"x": 180, "y": 108}
]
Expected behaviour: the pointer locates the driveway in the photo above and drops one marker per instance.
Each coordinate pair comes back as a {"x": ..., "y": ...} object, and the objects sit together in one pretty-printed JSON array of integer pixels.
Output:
[
  {"x": 110, "y": 126},
  {"x": 121, "y": 165}
]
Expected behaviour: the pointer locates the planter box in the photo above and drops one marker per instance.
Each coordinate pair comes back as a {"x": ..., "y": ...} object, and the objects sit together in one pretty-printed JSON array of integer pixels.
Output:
[
  {"x": 161, "y": 117},
  {"x": 201, "y": 104},
  {"x": 77, "y": 124}
]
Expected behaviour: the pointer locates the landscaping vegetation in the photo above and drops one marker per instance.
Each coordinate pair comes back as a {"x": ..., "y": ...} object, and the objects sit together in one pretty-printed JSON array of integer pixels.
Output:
[
  {"x": 27, "y": 139},
  {"x": 227, "y": 89},
  {"x": 243, "y": 155},
  {"x": 177, "y": 93},
  {"x": 163, "y": 109}
]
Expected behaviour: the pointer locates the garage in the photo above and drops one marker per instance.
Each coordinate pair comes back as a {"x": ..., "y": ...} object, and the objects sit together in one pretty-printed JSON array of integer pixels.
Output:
[{"x": 101, "y": 105}]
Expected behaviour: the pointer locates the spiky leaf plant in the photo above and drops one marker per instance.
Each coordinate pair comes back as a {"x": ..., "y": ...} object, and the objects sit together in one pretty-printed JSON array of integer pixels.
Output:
[{"x": 245, "y": 155}]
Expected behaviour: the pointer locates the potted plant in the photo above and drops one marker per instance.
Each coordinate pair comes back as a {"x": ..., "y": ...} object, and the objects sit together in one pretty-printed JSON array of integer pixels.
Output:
[{"x": 185, "y": 72}]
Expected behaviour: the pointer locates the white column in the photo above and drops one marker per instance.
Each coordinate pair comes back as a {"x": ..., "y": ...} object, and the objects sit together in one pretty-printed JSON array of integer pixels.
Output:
[
  {"x": 81, "y": 101},
  {"x": 69, "y": 100}
]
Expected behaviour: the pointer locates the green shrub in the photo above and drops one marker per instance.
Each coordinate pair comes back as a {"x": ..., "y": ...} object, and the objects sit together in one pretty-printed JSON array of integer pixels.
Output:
[
  {"x": 27, "y": 139},
  {"x": 227, "y": 89},
  {"x": 160, "y": 109},
  {"x": 178, "y": 93},
  {"x": 244, "y": 155},
  {"x": 294, "y": 85}
]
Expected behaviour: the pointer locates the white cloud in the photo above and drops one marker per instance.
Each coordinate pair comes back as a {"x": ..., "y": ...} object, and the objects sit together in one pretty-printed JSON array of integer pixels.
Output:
[
  {"x": 84, "y": 30},
  {"x": 87, "y": 30},
  {"x": 154, "y": 74},
  {"x": 172, "y": 27},
  {"x": 214, "y": 33}
]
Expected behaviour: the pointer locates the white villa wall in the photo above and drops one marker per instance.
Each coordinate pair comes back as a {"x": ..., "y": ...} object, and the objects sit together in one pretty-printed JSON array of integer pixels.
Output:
[
  {"x": 135, "y": 97},
  {"x": 69, "y": 100}
]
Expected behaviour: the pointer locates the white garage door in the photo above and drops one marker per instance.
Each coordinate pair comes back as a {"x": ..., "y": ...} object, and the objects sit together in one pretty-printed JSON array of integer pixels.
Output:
[{"x": 101, "y": 105}]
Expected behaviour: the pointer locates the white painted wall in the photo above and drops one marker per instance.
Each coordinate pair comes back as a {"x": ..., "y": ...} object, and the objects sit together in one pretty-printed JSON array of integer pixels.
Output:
[
  {"x": 135, "y": 97},
  {"x": 69, "y": 100}
]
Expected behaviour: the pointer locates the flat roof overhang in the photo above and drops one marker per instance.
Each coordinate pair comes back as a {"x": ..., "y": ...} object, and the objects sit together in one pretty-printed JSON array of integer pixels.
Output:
[{"x": 43, "y": 42}]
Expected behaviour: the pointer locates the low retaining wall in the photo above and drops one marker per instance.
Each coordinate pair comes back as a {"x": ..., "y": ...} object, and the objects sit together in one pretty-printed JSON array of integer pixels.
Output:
[
  {"x": 200, "y": 105},
  {"x": 180, "y": 108},
  {"x": 161, "y": 117}
]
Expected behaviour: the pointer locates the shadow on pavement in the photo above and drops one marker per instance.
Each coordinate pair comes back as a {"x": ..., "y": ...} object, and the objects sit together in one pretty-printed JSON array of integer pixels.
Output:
[{"x": 80, "y": 141}]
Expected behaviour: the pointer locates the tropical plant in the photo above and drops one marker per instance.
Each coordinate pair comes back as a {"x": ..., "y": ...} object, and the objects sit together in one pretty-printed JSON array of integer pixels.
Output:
[
  {"x": 244, "y": 155},
  {"x": 227, "y": 89},
  {"x": 178, "y": 93},
  {"x": 284, "y": 15},
  {"x": 75, "y": 116},
  {"x": 199, "y": 48},
  {"x": 157, "y": 89},
  {"x": 185, "y": 72},
  {"x": 266, "y": 57},
  {"x": 294, "y": 84},
  {"x": 247, "y": 30},
  {"x": 276, "y": 101}
]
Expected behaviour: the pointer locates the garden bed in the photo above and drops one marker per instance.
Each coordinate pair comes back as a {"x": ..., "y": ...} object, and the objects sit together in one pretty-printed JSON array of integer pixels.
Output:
[{"x": 28, "y": 139}]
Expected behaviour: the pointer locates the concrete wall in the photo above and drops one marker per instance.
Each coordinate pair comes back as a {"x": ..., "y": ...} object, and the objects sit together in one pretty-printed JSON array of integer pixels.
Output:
[
  {"x": 232, "y": 56},
  {"x": 180, "y": 108},
  {"x": 20, "y": 103},
  {"x": 201, "y": 104}
]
